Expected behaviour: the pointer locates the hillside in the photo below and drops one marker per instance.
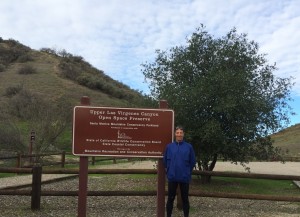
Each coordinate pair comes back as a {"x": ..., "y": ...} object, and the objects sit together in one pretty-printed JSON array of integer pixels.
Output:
[
  {"x": 38, "y": 90},
  {"x": 58, "y": 74},
  {"x": 288, "y": 138},
  {"x": 54, "y": 74}
]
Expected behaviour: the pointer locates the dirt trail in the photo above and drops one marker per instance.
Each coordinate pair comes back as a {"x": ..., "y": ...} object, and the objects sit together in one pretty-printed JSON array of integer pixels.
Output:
[{"x": 276, "y": 168}]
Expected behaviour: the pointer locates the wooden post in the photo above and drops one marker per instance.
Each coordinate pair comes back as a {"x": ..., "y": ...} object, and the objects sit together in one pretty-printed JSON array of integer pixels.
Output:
[
  {"x": 19, "y": 160},
  {"x": 36, "y": 187},
  {"x": 31, "y": 143},
  {"x": 161, "y": 177},
  {"x": 83, "y": 175},
  {"x": 63, "y": 159}
]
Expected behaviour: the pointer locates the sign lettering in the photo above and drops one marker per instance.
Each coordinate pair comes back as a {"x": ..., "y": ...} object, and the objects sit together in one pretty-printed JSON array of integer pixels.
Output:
[{"x": 108, "y": 131}]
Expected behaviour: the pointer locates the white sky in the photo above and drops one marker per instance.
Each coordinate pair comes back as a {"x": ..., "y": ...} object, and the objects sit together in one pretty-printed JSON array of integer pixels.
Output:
[{"x": 117, "y": 36}]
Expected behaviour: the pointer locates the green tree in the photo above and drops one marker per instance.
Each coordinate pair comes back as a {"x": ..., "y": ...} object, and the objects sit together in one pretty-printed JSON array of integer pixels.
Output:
[{"x": 224, "y": 93}]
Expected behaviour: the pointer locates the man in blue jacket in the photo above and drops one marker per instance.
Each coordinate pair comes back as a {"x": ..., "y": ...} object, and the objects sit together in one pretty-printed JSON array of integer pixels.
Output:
[{"x": 179, "y": 161}]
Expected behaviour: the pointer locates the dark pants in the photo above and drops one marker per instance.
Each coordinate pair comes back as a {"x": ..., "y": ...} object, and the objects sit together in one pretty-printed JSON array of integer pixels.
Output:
[{"x": 184, "y": 190}]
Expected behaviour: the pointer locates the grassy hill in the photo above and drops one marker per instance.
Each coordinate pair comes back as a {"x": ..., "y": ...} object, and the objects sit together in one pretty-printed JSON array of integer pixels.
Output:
[
  {"x": 289, "y": 139},
  {"x": 33, "y": 81},
  {"x": 53, "y": 74}
]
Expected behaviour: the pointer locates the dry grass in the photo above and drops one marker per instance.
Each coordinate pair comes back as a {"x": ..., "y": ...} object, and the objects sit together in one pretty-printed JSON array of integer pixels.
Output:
[
  {"x": 47, "y": 82},
  {"x": 289, "y": 138}
]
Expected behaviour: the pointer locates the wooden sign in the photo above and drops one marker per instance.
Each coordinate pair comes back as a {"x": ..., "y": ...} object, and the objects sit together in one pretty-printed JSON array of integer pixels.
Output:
[{"x": 109, "y": 131}]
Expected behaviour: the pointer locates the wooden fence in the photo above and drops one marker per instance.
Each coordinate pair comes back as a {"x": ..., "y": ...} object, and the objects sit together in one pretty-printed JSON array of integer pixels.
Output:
[
  {"x": 28, "y": 160},
  {"x": 37, "y": 172}
]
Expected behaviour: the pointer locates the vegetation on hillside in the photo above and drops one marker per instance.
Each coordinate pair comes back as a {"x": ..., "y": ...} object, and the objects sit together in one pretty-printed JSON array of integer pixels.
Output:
[
  {"x": 288, "y": 140},
  {"x": 38, "y": 90},
  {"x": 77, "y": 69}
]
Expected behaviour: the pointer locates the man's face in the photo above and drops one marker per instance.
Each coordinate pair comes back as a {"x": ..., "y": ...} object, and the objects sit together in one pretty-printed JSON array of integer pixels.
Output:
[{"x": 179, "y": 134}]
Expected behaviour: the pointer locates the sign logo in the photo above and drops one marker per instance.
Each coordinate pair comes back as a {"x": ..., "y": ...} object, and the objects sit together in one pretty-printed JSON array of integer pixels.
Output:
[{"x": 123, "y": 135}]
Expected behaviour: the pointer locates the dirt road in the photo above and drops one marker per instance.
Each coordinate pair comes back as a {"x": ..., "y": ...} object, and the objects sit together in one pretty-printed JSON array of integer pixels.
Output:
[{"x": 276, "y": 168}]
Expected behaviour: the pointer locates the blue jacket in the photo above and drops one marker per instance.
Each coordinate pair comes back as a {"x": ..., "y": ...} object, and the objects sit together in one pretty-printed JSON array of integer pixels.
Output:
[{"x": 179, "y": 161}]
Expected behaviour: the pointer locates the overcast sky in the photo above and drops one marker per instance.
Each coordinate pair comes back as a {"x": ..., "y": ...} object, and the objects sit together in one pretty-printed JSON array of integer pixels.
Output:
[{"x": 117, "y": 36}]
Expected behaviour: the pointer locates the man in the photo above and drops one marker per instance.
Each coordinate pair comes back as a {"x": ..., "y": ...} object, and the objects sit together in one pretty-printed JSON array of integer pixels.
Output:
[{"x": 179, "y": 161}]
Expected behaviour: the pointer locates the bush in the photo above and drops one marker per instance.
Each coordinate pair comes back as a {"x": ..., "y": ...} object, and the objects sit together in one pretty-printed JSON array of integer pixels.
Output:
[
  {"x": 11, "y": 91},
  {"x": 26, "y": 70},
  {"x": 24, "y": 58},
  {"x": 48, "y": 50},
  {"x": 68, "y": 70},
  {"x": 2, "y": 67}
]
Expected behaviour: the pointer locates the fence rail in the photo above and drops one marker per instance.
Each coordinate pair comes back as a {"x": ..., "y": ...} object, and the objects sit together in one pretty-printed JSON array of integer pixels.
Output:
[{"x": 62, "y": 161}]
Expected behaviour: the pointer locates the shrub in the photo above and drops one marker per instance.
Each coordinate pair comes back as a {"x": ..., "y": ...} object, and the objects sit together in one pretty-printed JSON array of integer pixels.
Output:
[
  {"x": 2, "y": 67},
  {"x": 48, "y": 50},
  {"x": 26, "y": 70},
  {"x": 68, "y": 70},
  {"x": 11, "y": 91},
  {"x": 24, "y": 58}
]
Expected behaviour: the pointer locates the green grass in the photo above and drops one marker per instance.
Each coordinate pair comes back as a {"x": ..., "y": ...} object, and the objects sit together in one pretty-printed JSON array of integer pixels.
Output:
[
  {"x": 146, "y": 182},
  {"x": 4, "y": 175},
  {"x": 249, "y": 186}
]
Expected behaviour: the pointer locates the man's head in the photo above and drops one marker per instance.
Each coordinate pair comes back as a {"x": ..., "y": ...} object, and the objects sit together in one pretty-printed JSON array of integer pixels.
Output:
[{"x": 179, "y": 134}]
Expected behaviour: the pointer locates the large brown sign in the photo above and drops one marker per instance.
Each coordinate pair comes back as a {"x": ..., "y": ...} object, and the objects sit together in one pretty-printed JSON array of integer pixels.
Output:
[{"x": 107, "y": 131}]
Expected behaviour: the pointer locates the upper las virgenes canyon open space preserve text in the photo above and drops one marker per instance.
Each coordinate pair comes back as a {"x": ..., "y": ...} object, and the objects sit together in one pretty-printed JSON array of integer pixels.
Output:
[{"x": 108, "y": 131}]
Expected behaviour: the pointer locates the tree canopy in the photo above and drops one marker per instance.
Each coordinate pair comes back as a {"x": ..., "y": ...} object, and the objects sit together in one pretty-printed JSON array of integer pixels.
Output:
[{"x": 225, "y": 94}]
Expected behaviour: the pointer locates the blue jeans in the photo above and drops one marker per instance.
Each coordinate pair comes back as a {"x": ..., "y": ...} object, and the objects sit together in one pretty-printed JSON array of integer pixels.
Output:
[{"x": 184, "y": 190}]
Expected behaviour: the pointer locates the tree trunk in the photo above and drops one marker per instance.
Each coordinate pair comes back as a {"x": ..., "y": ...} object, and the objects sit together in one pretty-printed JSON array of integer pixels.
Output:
[{"x": 205, "y": 179}]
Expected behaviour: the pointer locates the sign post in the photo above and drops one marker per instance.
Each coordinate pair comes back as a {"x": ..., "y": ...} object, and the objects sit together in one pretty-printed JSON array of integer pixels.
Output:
[
  {"x": 83, "y": 175},
  {"x": 161, "y": 177},
  {"x": 121, "y": 132},
  {"x": 32, "y": 139}
]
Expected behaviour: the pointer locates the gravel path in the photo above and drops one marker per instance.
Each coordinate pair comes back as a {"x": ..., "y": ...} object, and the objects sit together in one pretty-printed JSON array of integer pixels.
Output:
[
  {"x": 13, "y": 206},
  {"x": 121, "y": 206}
]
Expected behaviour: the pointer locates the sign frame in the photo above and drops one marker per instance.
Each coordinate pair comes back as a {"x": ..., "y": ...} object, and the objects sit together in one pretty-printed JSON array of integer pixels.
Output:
[{"x": 97, "y": 129}]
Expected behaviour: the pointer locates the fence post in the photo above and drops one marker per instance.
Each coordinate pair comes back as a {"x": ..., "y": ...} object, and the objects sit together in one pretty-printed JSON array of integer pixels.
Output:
[
  {"x": 36, "y": 187},
  {"x": 63, "y": 159},
  {"x": 19, "y": 158},
  {"x": 93, "y": 160}
]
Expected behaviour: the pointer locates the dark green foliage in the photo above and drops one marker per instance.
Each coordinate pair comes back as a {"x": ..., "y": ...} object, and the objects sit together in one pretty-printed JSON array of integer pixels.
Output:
[
  {"x": 225, "y": 94},
  {"x": 11, "y": 51},
  {"x": 76, "y": 69}
]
